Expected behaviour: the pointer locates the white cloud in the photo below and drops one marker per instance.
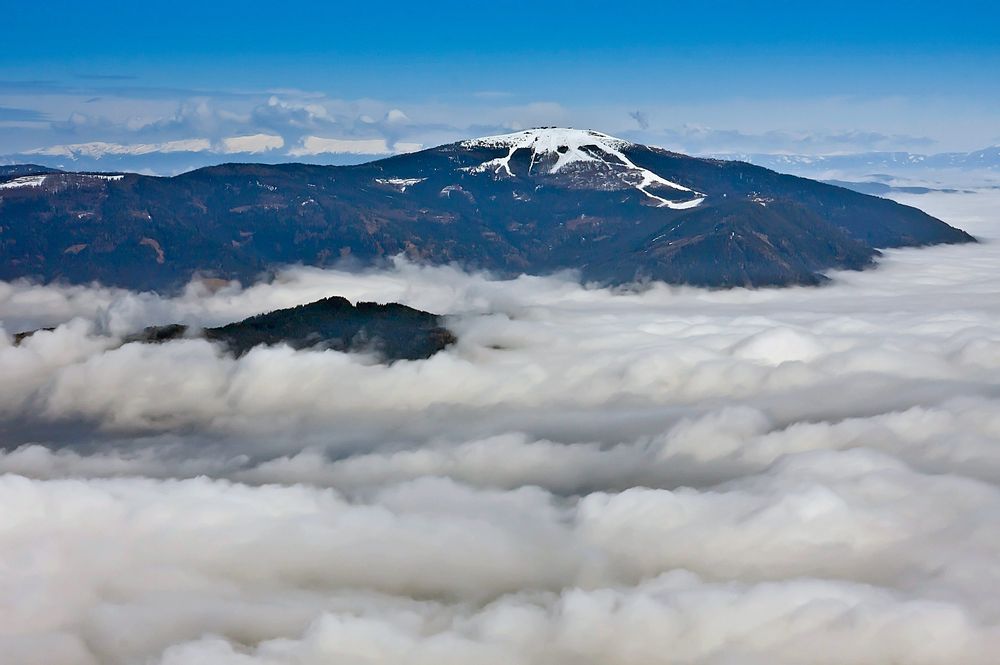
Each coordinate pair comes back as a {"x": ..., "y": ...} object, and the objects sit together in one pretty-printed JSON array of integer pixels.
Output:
[
  {"x": 396, "y": 116},
  {"x": 316, "y": 145},
  {"x": 254, "y": 143},
  {"x": 404, "y": 146},
  {"x": 673, "y": 475}
]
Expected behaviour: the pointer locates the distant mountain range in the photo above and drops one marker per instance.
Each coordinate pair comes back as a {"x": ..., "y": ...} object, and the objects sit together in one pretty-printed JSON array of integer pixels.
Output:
[
  {"x": 875, "y": 163},
  {"x": 174, "y": 157},
  {"x": 879, "y": 188},
  {"x": 535, "y": 201}
]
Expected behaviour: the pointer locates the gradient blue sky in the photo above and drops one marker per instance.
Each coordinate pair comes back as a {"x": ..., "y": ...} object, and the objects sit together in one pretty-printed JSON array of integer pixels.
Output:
[{"x": 698, "y": 76}]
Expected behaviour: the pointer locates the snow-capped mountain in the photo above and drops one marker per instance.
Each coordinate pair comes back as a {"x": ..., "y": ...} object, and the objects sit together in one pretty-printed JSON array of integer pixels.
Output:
[
  {"x": 534, "y": 201},
  {"x": 583, "y": 159}
]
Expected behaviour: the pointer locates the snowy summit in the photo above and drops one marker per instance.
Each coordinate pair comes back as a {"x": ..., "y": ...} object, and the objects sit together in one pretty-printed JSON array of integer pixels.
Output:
[{"x": 559, "y": 149}]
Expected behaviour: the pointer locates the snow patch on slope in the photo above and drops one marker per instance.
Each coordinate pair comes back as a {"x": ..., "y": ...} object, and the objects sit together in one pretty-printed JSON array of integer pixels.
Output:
[
  {"x": 59, "y": 180},
  {"x": 399, "y": 183},
  {"x": 96, "y": 176},
  {"x": 566, "y": 144},
  {"x": 571, "y": 146},
  {"x": 25, "y": 181}
]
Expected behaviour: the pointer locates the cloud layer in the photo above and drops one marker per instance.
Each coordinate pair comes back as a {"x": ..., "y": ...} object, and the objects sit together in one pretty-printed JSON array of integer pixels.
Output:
[{"x": 589, "y": 475}]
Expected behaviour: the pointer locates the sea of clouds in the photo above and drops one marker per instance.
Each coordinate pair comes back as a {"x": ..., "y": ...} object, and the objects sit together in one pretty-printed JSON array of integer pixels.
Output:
[{"x": 770, "y": 477}]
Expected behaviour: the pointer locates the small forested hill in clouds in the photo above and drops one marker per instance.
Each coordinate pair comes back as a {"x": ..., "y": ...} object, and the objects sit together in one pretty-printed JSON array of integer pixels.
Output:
[
  {"x": 535, "y": 201},
  {"x": 390, "y": 331}
]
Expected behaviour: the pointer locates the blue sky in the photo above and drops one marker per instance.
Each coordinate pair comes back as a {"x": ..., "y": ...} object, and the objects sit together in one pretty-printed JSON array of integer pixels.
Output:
[{"x": 701, "y": 77}]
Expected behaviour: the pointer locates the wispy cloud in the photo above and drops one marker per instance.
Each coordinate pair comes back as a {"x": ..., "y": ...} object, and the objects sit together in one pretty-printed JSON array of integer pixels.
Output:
[
  {"x": 641, "y": 119},
  {"x": 8, "y": 114}
]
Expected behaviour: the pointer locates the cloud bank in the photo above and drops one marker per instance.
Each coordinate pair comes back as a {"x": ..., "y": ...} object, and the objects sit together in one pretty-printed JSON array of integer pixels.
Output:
[{"x": 590, "y": 475}]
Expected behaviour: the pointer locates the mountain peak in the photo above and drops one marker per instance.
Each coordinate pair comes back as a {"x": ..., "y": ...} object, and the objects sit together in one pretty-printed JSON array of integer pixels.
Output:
[
  {"x": 548, "y": 138},
  {"x": 555, "y": 150},
  {"x": 565, "y": 144}
]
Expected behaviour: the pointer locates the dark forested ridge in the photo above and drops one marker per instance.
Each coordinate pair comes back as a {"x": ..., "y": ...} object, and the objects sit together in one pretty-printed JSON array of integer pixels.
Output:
[{"x": 535, "y": 202}]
